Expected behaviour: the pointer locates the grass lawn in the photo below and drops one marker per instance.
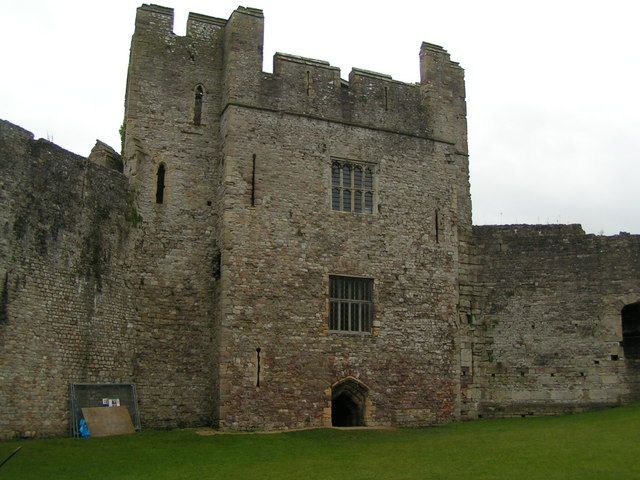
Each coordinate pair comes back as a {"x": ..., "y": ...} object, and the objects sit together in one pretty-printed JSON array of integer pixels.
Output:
[{"x": 598, "y": 445}]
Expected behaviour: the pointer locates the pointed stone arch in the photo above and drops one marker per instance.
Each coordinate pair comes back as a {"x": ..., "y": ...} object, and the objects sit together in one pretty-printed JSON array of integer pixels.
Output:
[{"x": 349, "y": 403}]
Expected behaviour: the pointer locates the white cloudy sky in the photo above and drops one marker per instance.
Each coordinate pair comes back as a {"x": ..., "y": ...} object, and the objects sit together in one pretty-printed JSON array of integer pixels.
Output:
[{"x": 553, "y": 87}]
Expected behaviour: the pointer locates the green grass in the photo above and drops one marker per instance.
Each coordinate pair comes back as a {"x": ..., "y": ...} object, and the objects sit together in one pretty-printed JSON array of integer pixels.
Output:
[{"x": 598, "y": 445}]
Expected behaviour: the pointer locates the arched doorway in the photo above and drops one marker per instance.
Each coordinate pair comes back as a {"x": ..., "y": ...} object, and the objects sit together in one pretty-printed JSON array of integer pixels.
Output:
[
  {"x": 631, "y": 331},
  {"x": 348, "y": 403}
]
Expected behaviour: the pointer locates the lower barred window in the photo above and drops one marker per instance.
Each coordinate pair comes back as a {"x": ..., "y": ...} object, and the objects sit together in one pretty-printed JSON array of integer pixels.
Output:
[{"x": 350, "y": 304}]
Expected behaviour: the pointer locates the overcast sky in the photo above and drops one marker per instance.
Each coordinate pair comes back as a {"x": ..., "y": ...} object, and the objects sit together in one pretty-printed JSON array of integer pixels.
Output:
[{"x": 553, "y": 87}]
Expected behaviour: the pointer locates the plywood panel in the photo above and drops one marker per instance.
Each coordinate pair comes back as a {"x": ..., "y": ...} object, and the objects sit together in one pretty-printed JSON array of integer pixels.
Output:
[{"x": 107, "y": 421}]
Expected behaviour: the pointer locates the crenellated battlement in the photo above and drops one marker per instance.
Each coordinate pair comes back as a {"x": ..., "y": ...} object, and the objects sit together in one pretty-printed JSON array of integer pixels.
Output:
[
  {"x": 255, "y": 12},
  {"x": 306, "y": 86},
  {"x": 202, "y": 25},
  {"x": 160, "y": 20},
  {"x": 155, "y": 18},
  {"x": 281, "y": 67},
  {"x": 432, "y": 108}
]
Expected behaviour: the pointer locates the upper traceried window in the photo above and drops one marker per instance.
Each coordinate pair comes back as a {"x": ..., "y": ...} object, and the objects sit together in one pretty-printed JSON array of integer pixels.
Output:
[{"x": 352, "y": 186}]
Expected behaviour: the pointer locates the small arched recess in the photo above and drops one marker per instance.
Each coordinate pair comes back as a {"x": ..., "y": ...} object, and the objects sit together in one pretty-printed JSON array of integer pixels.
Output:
[{"x": 348, "y": 403}]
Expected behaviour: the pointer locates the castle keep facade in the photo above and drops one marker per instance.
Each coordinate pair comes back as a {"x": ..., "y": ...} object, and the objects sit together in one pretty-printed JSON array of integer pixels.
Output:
[{"x": 291, "y": 249}]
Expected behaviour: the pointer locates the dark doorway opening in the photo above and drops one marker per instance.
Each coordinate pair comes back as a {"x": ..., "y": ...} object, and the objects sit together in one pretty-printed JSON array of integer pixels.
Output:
[
  {"x": 348, "y": 401},
  {"x": 631, "y": 331}
]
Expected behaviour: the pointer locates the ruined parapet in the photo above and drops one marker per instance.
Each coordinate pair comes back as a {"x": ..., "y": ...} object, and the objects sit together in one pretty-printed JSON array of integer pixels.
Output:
[
  {"x": 375, "y": 100},
  {"x": 103, "y": 155},
  {"x": 433, "y": 108},
  {"x": 442, "y": 82},
  {"x": 310, "y": 87},
  {"x": 243, "y": 46},
  {"x": 154, "y": 18},
  {"x": 158, "y": 20},
  {"x": 202, "y": 26}
]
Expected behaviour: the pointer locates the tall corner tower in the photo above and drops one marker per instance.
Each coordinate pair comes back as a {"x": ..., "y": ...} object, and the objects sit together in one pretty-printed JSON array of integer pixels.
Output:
[{"x": 172, "y": 157}]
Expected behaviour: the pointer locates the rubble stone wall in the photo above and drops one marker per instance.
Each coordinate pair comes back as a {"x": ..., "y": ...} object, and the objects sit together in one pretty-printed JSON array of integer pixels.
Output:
[
  {"x": 281, "y": 132},
  {"x": 280, "y": 253},
  {"x": 67, "y": 306},
  {"x": 548, "y": 334},
  {"x": 177, "y": 252},
  {"x": 206, "y": 250}
]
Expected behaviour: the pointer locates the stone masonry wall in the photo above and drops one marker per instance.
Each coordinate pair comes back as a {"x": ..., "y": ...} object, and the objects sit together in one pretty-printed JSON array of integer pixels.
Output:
[
  {"x": 434, "y": 108},
  {"x": 279, "y": 252},
  {"x": 177, "y": 254},
  {"x": 67, "y": 313},
  {"x": 548, "y": 333},
  {"x": 278, "y": 256},
  {"x": 104, "y": 280}
]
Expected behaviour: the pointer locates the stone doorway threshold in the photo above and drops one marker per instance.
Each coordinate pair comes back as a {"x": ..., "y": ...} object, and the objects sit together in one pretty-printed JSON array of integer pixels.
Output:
[{"x": 212, "y": 431}]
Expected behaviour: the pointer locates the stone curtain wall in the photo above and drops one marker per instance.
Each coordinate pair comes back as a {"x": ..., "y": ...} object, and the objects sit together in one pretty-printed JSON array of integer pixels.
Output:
[
  {"x": 67, "y": 303},
  {"x": 548, "y": 337}
]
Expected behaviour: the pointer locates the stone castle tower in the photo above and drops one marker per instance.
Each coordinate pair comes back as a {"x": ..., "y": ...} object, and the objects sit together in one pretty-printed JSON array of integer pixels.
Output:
[
  {"x": 292, "y": 249},
  {"x": 275, "y": 187}
]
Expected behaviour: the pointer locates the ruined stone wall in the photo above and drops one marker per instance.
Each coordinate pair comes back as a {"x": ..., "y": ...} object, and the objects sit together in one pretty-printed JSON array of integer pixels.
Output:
[
  {"x": 548, "y": 333},
  {"x": 177, "y": 252},
  {"x": 67, "y": 304}
]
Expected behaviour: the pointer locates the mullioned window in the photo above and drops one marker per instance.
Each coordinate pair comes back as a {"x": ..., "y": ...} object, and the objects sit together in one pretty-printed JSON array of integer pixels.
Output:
[
  {"x": 350, "y": 304},
  {"x": 352, "y": 186}
]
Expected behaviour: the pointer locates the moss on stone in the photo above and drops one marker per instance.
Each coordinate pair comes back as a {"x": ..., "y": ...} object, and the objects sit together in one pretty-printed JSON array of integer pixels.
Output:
[
  {"x": 131, "y": 212},
  {"x": 121, "y": 131}
]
